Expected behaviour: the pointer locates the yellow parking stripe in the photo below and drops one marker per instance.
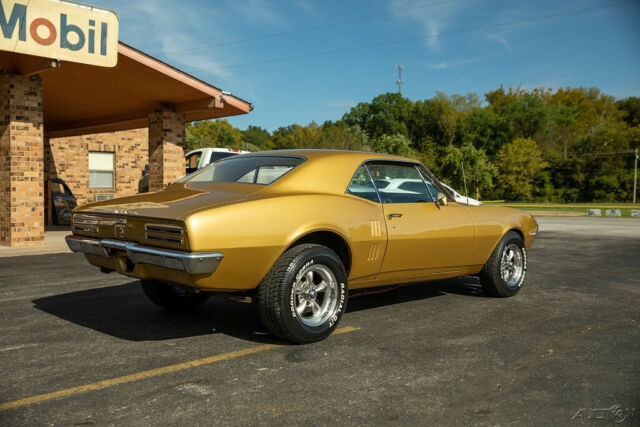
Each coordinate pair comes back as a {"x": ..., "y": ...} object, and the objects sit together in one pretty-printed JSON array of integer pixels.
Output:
[{"x": 147, "y": 374}]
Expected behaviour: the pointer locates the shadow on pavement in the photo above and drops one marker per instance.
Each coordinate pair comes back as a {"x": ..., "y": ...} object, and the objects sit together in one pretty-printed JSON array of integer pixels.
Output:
[
  {"x": 468, "y": 286},
  {"x": 124, "y": 312}
]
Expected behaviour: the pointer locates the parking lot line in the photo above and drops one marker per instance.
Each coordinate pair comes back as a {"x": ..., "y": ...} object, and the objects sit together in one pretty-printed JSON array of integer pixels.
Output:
[{"x": 148, "y": 374}]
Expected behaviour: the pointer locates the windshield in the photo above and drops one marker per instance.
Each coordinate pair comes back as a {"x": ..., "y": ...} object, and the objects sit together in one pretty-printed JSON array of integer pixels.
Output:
[{"x": 262, "y": 170}]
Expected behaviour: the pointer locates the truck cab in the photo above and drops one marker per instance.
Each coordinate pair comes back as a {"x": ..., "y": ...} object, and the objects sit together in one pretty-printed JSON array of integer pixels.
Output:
[{"x": 197, "y": 159}]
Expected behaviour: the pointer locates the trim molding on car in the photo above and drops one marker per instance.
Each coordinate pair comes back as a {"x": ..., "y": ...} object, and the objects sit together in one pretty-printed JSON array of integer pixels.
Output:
[{"x": 193, "y": 263}]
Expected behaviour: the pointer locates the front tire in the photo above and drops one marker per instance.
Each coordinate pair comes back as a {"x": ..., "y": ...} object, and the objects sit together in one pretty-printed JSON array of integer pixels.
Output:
[
  {"x": 171, "y": 297},
  {"x": 304, "y": 295},
  {"x": 504, "y": 272}
]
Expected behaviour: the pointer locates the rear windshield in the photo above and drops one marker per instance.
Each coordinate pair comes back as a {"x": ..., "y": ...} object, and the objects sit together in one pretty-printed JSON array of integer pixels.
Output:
[{"x": 261, "y": 170}]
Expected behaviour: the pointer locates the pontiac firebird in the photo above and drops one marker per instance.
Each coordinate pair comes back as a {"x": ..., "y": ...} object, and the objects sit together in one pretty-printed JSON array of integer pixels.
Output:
[{"x": 296, "y": 231}]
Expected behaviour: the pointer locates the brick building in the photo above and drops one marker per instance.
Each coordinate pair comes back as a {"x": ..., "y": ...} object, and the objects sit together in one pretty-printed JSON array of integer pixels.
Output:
[
  {"x": 78, "y": 159},
  {"x": 94, "y": 127}
]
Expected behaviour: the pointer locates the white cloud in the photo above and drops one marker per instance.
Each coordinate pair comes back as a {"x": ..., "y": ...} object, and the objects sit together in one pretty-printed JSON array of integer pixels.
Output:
[
  {"x": 341, "y": 103},
  {"x": 307, "y": 7},
  {"x": 173, "y": 30},
  {"x": 433, "y": 18},
  {"x": 500, "y": 39},
  {"x": 262, "y": 11},
  {"x": 466, "y": 61}
]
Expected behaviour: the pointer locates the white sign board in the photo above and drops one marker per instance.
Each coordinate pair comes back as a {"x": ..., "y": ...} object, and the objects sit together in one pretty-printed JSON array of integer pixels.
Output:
[{"x": 60, "y": 30}]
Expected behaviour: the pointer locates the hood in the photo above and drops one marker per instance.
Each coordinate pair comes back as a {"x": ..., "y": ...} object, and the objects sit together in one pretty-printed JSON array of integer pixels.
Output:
[{"x": 176, "y": 201}]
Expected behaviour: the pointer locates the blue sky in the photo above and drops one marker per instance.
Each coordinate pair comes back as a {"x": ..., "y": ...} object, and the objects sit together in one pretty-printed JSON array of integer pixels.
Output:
[{"x": 304, "y": 60}]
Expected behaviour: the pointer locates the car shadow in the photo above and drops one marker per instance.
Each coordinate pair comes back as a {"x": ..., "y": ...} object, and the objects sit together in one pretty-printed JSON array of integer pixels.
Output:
[
  {"x": 468, "y": 286},
  {"x": 124, "y": 312}
]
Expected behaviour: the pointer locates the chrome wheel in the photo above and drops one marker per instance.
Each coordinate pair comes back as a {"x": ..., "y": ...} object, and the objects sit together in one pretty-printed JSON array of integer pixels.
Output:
[
  {"x": 315, "y": 294},
  {"x": 512, "y": 265}
]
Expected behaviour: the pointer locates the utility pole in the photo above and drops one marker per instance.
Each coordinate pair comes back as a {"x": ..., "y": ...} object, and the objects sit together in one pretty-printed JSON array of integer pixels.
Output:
[
  {"x": 635, "y": 177},
  {"x": 400, "y": 82}
]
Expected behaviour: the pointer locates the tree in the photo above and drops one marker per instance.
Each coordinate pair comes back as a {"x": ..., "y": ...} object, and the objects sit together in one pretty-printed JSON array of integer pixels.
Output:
[
  {"x": 525, "y": 112},
  {"x": 519, "y": 162},
  {"x": 631, "y": 108},
  {"x": 212, "y": 133},
  {"x": 478, "y": 170},
  {"x": 257, "y": 137},
  {"x": 387, "y": 114}
]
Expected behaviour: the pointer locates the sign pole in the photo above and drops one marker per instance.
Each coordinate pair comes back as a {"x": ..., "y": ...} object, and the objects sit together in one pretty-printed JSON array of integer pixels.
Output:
[{"x": 635, "y": 177}]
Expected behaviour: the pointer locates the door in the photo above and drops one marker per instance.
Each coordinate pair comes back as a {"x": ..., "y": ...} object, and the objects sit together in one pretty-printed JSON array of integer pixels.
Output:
[{"x": 423, "y": 236}]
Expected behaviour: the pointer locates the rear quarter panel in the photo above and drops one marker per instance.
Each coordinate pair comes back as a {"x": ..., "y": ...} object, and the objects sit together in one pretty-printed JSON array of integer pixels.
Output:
[
  {"x": 253, "y": 234},
  {"x": 492, "y": 223}
]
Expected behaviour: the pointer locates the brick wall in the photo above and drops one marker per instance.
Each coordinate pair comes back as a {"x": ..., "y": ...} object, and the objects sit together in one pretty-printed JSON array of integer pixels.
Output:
[
  {"x": 21, "y": 161},
  {"x": 68, "y": 159},
  {"x": 166, "y": 148}
]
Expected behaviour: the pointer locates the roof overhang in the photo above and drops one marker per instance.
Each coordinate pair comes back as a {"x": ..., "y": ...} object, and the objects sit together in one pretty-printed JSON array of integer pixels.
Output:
[{"x": 81, "y": 99}]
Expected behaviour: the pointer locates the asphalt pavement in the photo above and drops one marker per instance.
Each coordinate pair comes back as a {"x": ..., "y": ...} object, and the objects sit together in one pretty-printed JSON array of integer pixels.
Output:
[{"x": 78, "y": 347}]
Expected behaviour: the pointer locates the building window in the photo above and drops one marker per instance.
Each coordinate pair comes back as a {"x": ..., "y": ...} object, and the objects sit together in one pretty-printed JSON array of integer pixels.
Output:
[{"x": 100, "y": 169}]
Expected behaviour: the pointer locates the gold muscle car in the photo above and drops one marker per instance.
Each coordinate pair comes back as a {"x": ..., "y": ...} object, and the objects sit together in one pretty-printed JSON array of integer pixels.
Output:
[{"x": 297, "y": 230}]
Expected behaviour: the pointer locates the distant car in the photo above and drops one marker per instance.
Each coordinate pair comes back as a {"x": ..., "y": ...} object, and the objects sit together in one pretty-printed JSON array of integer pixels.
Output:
[
  {"x": 469, "y": 201},
  {"x": 295, "y": 230},
  {"x": 413, "y": 185}
]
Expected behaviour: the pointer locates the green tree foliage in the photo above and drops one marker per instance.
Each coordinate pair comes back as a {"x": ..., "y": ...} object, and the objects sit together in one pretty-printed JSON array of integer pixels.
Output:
[
  {"x": 572, "y": 144},
  {"x": 519, "y": 162},
  {"x": 631, "y": 109},
  {"x": 387, "y": 114},
  {"x": 213, "y": 133},
  {"x": 478, "y": 170}
]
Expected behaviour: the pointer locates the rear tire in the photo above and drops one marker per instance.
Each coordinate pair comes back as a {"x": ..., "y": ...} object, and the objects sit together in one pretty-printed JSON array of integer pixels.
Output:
[
  {"x": 172, "y": 297},
  {"x": 304, "y": 295},
  {"x": 504, "y": 272}
]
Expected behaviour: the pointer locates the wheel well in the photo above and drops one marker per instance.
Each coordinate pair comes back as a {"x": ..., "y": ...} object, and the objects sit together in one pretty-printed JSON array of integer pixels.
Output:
[
  {"x": 331, "y": 240},
  {"x": 517, "y": 230}
]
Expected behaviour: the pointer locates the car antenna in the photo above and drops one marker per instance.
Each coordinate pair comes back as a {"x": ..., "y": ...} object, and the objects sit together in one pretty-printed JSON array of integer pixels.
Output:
[{"x": 464, "y": 180}]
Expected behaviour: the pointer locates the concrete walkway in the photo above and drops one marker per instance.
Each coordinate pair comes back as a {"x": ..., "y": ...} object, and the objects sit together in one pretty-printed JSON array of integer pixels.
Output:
[{"x": 53, "y": 244}]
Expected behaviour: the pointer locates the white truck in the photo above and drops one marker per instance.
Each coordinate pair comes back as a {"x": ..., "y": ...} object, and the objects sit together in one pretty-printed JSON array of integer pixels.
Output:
[{"x": 196, "y": 159}]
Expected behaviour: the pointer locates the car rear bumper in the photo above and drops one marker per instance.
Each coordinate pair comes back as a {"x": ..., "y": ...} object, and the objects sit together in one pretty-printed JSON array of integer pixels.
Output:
[{"x": 193, "y": 263}]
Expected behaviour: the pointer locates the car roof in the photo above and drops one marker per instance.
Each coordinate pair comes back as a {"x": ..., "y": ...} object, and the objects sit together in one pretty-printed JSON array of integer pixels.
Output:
[
  {"x": 323, "y": 171},
  {"x": 314, "y": 154}
]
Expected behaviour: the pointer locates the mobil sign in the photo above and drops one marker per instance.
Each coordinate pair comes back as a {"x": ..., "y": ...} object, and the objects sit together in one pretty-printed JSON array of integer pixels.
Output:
[{"x": 60, "y": 30}]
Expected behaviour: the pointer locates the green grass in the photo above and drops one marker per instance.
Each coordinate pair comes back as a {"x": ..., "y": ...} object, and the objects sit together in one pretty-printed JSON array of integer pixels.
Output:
[{"x": 625, "y": 208}]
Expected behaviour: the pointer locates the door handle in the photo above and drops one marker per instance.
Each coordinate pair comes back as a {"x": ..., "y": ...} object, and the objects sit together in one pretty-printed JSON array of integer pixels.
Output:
[{"x": 394, "y": 215}]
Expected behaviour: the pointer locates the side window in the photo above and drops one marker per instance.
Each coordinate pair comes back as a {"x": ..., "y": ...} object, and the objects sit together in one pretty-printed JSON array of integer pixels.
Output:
[
  {"x": 193, "y": 161},
  {"x": 362, "y": 186},
  {"x": 433, "y": 188},
  {"x": 405, "y": 183}
]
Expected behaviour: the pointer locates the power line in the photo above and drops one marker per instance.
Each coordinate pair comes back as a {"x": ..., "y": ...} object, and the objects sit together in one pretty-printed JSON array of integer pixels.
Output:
[
  {"x": 309, "y": 28},
  {"x": 411, "y": 39}
]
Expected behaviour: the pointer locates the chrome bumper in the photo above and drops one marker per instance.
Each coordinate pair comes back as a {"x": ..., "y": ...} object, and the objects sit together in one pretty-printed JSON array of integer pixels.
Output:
[{"x": 193, "y": 263}]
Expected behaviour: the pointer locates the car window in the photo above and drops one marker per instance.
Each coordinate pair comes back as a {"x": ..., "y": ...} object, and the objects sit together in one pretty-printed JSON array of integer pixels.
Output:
[
  {"x": 217, "y": 155},
  {"x": 405, "y": 184},
  {"x": 362, "y": 186},
  {"x": 246, "y": 169},
  {"x": 381, "y": 183},
  {"x": 192, "y": 161}
]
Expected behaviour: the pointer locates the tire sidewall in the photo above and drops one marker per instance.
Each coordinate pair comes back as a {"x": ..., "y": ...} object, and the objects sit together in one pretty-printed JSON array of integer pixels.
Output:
[
  {"x": 512, "y": 238},
  {"x": 319, "y": 256}
]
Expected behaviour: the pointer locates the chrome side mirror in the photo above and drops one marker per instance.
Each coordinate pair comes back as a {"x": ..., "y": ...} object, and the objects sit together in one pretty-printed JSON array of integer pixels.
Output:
[{"x": 442, "y": 199}]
